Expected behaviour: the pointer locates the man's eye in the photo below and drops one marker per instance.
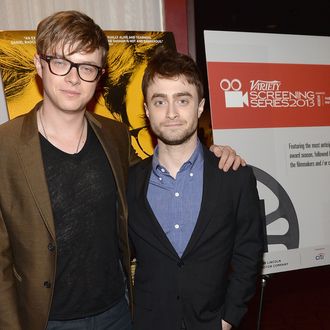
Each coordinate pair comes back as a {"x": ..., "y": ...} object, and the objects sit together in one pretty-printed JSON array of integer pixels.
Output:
[
  {"x": 87, "y": 69},
  {"x": 159, "y": 103},
  {"x": 183, "y": 101},
  {"x": 59, "y": 62}
]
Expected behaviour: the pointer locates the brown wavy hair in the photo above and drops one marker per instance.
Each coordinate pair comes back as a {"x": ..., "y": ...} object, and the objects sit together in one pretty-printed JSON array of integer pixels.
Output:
[{"x": 70, "y": 28}]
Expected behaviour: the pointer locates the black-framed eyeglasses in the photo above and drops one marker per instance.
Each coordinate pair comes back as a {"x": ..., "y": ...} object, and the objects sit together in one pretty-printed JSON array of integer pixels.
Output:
[{"x": 61, "y": 67}]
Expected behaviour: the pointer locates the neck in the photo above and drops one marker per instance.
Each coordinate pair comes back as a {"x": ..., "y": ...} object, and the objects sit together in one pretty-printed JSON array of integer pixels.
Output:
[
  {"x": 172, "y": 157},
  {"x": 66, "y": 131},
  {"x": 57, "y": 121}
]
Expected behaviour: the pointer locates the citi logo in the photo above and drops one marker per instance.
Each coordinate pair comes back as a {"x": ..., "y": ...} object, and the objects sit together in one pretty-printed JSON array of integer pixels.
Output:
[{"x": 234, "y": 97}]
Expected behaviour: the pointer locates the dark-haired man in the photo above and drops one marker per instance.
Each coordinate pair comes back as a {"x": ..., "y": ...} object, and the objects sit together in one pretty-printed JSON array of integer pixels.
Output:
[{"x": 196, "y": 231}]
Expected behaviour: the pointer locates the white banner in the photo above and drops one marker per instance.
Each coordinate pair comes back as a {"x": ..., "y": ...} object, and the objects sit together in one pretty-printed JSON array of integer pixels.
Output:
[{"x": 270, "y": 100}]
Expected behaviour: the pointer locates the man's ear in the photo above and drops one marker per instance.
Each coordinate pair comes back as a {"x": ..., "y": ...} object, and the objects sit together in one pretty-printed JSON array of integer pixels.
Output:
[
  {"x": 201, "y": 107},
  {"x": 146, "y": 109},
  {"x": 37, "y": 63}
]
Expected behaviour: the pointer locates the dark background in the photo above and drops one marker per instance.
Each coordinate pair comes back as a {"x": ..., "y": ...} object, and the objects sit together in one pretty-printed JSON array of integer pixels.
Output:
[
  {"x": 295, "y": 300},
  {"x": 278, "y": 16}
]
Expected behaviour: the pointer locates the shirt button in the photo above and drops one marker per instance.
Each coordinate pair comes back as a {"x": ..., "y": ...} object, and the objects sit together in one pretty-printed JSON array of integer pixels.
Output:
[
  {"x": 176, "y": 194},
  {"x": 163, "y": 170},
  {"x": 176, "y": 226},
  {"x": 191, "y": 174}
]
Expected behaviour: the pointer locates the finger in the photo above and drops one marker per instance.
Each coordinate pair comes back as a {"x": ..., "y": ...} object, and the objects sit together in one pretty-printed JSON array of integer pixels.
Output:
[
  {"x": 217, "y": 150},
  {"x": 228, "y": 158},
  {"x": 237, "y": 163}
]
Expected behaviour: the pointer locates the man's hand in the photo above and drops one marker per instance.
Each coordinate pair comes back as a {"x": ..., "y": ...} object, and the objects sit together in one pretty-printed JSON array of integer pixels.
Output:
[
  {"x": 225, "y": 325},
  {"x": 228, "y": 157}
]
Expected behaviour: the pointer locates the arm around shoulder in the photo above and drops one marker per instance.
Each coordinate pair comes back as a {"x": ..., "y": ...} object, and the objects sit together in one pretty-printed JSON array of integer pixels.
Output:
[{"x": 228, "y": 157}]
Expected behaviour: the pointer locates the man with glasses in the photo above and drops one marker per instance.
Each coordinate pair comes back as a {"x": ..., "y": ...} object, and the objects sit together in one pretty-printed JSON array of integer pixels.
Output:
[{"x": 63, "y": 231}]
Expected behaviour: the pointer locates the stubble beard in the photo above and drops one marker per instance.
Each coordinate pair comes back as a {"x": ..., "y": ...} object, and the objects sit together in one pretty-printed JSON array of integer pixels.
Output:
[{"x": 175, "y": 140}]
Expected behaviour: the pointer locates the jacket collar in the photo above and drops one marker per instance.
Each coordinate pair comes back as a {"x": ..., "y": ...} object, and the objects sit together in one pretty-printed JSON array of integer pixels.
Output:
[
  {"x": 211, "y": 187},
  {"x": 30, "y": 157}
]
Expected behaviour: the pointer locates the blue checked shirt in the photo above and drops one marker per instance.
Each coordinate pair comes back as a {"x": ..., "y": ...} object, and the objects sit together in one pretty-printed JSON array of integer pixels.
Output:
[{"x": 176, "y": 202}]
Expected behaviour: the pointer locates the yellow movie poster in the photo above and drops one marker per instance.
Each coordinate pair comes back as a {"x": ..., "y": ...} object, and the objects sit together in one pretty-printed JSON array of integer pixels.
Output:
[{"x": 119, "y": 96}]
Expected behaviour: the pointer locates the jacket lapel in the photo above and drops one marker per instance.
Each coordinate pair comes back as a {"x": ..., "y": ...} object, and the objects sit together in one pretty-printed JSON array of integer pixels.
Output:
[
  {"x": 158, "y": 237},
  {"x": 211, "y": 188},
  {"x": 110, "y": 148},
  {"x": 29, "y": 153}
]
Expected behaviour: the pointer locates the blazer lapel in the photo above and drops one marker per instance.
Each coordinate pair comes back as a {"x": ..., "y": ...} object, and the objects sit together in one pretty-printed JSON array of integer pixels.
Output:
[
  {"x": 110, "y": 148},
  {"x": 211, "y": 188},
  {"x": 29, "y": 153},
  {"x": 158, "y": 236}
]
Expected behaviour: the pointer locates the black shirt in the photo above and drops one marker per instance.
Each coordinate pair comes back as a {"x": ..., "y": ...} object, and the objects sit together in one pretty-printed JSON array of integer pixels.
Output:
[{"x": 83, "y": 194}]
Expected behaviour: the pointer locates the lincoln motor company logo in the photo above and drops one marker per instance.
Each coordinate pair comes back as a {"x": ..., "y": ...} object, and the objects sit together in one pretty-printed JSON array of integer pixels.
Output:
[{"x": 268, "y": 93}]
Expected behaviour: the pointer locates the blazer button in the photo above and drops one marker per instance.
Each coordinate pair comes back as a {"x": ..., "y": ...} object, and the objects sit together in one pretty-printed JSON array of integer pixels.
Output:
[
  {"x": 47, "y": 284},
  {"x": 51, "y": 247},
  {"x": 180, "y": 263}
]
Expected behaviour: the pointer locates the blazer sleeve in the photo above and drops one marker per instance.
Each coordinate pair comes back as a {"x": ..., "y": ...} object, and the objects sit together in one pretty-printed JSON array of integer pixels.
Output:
[
  {"x": 8, "y": 296},
  {"x": 247, "y": 252}
]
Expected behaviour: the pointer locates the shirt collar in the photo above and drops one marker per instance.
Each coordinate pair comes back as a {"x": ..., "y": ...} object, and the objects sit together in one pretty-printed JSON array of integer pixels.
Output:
[{"x": 194, "y": 161}]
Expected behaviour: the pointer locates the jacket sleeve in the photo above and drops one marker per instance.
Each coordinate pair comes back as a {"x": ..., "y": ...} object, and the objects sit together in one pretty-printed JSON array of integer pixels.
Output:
[
  {"x": 247, "y": 252},
  {"x": 9, "y": 319}
]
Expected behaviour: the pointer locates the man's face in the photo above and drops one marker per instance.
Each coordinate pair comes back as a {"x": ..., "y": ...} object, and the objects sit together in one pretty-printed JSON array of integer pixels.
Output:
[
  {"x": 68, "y": 93},
  {"x": 173, "y": 109}
]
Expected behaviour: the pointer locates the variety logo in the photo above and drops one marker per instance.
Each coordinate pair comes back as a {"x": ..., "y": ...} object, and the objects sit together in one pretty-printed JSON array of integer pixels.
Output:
[{"x": 267, "y": 93}]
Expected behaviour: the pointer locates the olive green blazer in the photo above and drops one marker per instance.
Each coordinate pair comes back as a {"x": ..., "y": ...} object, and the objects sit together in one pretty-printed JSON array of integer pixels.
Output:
[{"x": 27, "y": 233}]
